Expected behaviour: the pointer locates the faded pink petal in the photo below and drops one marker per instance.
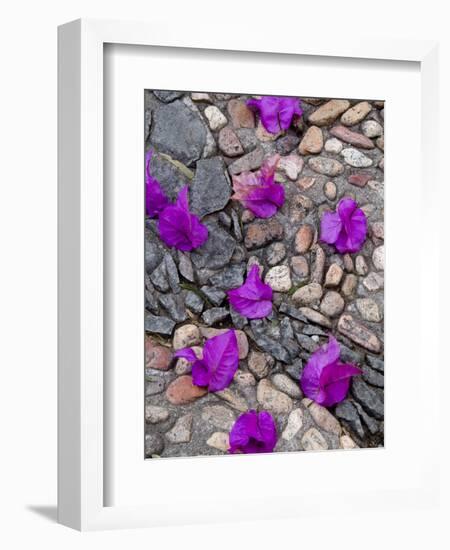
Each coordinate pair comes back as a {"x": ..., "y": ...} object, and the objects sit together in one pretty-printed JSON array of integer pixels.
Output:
[
  {"x": 179, "y": 228},
  {"x": 257, "y": 190},
  {"x": 346, "y": 228},
  {"x": 253, "y": 433},
  {"x": 276, "y": 113},
  {"x": 324, "y": 379},
  {"x": 253, "y": 299}
]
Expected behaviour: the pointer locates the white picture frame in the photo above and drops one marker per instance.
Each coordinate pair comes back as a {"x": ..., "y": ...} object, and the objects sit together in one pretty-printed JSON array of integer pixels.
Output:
[{"x": 82, "y": 484}]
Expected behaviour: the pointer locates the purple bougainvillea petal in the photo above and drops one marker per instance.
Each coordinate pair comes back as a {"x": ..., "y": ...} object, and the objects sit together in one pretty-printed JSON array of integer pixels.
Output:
[
  {"x": 155, "y": 198},
  {"x": 219, "y": 362},
  {"x": 253, "y": 299},
  {"x": 276, "y": 113},
  {"x": 186, "y": 353},
  {"x": 200, "y": 373},
  {"x": 221, "y": 357},
  {"x": 330, "y": 227},
  {"x": 257, "y": 190},
  {"x": 324, "y": 379},
  {"x": 253, "y": 433},
  {"x": 346, "y": 228},
  {"x": 179, "y": 228}
]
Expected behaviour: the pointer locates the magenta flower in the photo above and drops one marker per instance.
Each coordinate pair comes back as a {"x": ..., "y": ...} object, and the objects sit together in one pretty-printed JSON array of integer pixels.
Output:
[
  {"x": 180, "y": 228},
  {"x": 155, "y": 198},
  {"x": 276, "y": 112},
  {"x": 219, "y": 363},
  {"x": 346, "y": 228},
  {"x": 253, "y": 299},
  {"x": 324, "y": 379},
  {"x": 253, "y": 433},
  {"x": 258, "y": 191}
]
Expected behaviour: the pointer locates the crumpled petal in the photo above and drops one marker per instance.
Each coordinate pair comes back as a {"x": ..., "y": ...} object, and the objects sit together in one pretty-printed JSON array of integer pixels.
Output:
[
  {"x": 155, "y": 198},
  {"x": 179, "y": 228},
  {"x": 219, "y": 362},
  {"x": 276, "y": 112},
  {"x": 257, "y": 191},
  {"x": 324, "y": 379},
  {"x": 346, "y": 228},
  {"x": 253, "y": 433},
  {"x": 253, "y": 299}
]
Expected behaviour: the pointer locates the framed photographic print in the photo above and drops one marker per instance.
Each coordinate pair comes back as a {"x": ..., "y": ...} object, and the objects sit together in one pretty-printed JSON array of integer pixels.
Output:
[{"x": 234, "y": 301}]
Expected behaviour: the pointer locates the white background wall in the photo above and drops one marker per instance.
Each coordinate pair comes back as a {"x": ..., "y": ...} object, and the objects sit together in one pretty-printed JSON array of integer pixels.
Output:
[{"x": 28, "y": 270}]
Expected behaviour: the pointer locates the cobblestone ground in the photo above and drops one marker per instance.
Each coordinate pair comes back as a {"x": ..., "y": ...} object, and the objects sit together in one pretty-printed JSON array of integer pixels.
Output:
[{"x": 334, "y": 150}]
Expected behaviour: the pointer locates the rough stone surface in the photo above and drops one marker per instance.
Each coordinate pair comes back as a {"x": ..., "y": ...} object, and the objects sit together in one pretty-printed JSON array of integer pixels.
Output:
[
  {"x": 356, "y": 113},
  {"x": 210, "y": 188},
  {"x": 332, "y": 304},
  {"x": 202, "y": 141},
  {"x": 216, "y": 118},
  {"x": 272, "y": 399},
  {"x": 326, "y": 166},
  {"x": 353, "y": 138},
  {"x": 328, "y": 112},
  {"x": 179, "y": 132},
  {"x": 313, "y": 440},
  {"x": 355, "y": 158},
  {"x": 304, "y": 238},
  {"x": 279, "y": 278},
  {"x": 229, "y": 143},
  {"x": 182, "y": 391},
  {"x": 358, "y": 333},
  {"x": 312, "y": 141},
  {"x": 308, "y": 294}
]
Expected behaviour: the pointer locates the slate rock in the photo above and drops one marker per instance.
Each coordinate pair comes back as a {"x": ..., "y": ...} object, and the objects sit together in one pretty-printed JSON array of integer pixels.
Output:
[
  {"x": 167, "y": 96},
  {"x": 193, "y": 302},
  {"x": 368, "y": 397},
  {"x": 230, "y": 277},
  {"x": 214, "y": 315},
  {"x": 168, "y": 173},
  {"x": 214, "y": 295},
  {"x": 217, "y": 250},
  {"x": 158, "y": 324},
  {"x": 154, "y": 444},
  {"x": 210, "y": 188},
  {"x": 347, "y": 412},
  {"x": 174, "y": 305},
  {"x": 179, "y": 132}
]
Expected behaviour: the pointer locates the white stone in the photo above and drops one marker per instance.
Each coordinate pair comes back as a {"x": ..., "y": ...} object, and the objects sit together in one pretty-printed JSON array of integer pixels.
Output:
[
  {"x": 308, "y": 294},
  {"x": 361, "y": 265},
  {"x": 200, "y": 96},
  {"x": 186, "y": 336},
  {"x": 279, "y": 278},
  {"x": 371, "y": 128},
  {"x": 294, "y": 424},
  {"x": 347, "y": 442},
  {"x": 369, "y": 310},
  {"x": 154, "y": 414},
  {"x": 291, "y": 166},
  {"x": 333, "y": 146},
  {"x": 313, "y": 440},
  {"x": 378, "y": 258},
  {"x": 355, "y": 158},
  {"x": 219, "y": 416},
  {"x": 220, "y": 441},
  {"x": 285, "y": 384},
  {"x": 216, "y": 118},
  {"x": 373, "y": 281},
  {"x": 181, "y": 432},
  {"x": 324, "y": 419},
  {"x": 272, "y": 399}
]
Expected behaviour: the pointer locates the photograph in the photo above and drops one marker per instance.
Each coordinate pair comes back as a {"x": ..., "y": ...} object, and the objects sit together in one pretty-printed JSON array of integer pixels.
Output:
[{"x": 264, "y": 273}]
